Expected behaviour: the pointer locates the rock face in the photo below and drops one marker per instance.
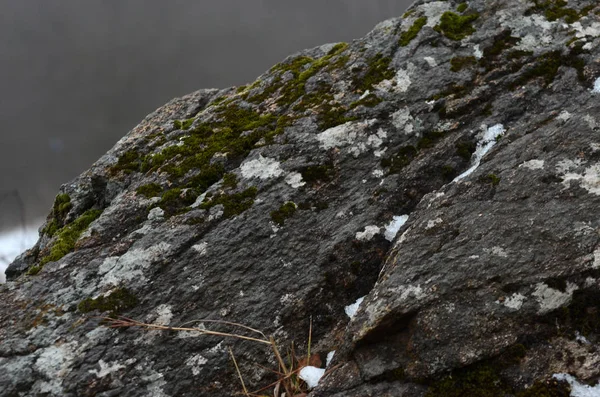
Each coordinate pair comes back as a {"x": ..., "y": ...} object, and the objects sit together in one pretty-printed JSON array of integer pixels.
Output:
[{"x": 445, "y": 167}]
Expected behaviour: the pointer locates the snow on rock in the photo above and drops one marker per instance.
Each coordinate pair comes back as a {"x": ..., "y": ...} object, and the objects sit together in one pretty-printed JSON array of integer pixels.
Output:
[
  {"x": 311, "y": 375},
  {"x": 596, "y": 86},
  {"x": 579, "y": 389},
  {"x": 392, "y": 228},
  {"x": 368, "y": 233},
  {"x": 263, "y": 168},
  {"x": 12, "y": 244},
  {"x": 329, "y": 358},
  {"x": 352, "y": 309},
  {"x": 487, "y": 141}
]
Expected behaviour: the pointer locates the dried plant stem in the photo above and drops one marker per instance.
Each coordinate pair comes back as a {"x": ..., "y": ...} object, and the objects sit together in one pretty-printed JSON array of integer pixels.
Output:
[{"x": 238, "y": 372}]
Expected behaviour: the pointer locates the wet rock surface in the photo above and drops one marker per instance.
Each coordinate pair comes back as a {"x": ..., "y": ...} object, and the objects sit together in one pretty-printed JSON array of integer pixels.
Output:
[{"x": 278, "y": 204}]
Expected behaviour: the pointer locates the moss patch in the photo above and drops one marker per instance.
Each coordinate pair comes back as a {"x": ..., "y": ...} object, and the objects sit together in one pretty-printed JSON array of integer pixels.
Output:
[
  {"x": 377, "y": 70},
  {"x": 462, "y": 7},
  {"x": 412, "y": 32},
  {"x": 459, "y": 63},
  {"x": 456, "y": 27},
  {"x": 68, "y": 236},
  {"x": 318, "y": 173},
  {"x": 403, "y": 157},
  {"x": 230, "y": 181},
  {"x": 465, "y": 149},
  {"x": 285, "y": 211},
  {"x": 149, "y": 190},
  {"x": 546, "y": 68},
  {"x": 557, "y": 9},
  {"x": 183, "y": 125},
  {"x": 233, "y": 204},
  {"x": 60, "y": 209},
  {"x": 128, "y": 162},
  {"x": 115, "y": 303}
]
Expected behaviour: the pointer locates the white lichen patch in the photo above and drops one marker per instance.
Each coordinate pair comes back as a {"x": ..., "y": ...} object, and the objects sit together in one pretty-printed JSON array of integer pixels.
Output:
[
  {"x": 589, "y": 179},
  {"x": 433, "y": 11},
  {"x": 402, "y": 120},
  {"x": 201, "y": 248},
  {"x": 402, "y": 80},
  {"x": 433, "y": 223},
  {"x": 131, "y": 265},
  {"x": 564, "y": 116},
  {"x": 54, "y": 363},
  {"x": 376, "y": 140},
  {"x": 515, "y": 301},
  {"x": 485, "y": 144},
  {"x": 392, "y": 228},
  {"x": 477, "y": 53},
  {"x": 550, "y": 298},
  {"x": 430, "y": 61},
  {"x": 369, "y": 232},
  {"x": 294, "y": 179},
  {"x": 341, "y": 135},
  {"x": 164, "y": 315},
  {"x": 497, "y": 251},
  {"x": 596, "y": 263},
  {"x": 262, "y": 168},
  {"x": 106, "y": 368},
  {"x": 353, "y": 308},
  {"x": 156, "y": 214},
  {"x": 377, "y": 173},
  {"x": 196, "y": 362},
  {"x": 590, "y": 31},
  {"x": 591, "y": 121},
  {"x": 533, "y": 164}
]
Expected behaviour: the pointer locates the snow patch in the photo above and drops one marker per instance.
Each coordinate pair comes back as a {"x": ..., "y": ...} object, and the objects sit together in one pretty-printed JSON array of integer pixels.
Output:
[
  {"x": 311, "y": 375},
  {"x": 353, "y": 308},
  {"x": 550, "y": 298},
  {"x": 596, "y": 88},
  {"x": 329, "y": 358},
  {"x": 12, "y": 244},
  {"x": 263, "y": 168},
  {"x": 487, "y": 141},
  {"x": 579, "y": 389},
  {"x": 368, "y": 233},
  {"x": 391, "y": 229}
]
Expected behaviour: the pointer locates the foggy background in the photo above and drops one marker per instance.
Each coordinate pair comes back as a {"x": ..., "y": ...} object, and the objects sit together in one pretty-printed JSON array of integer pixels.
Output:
[{"x": 77, "y": 75}]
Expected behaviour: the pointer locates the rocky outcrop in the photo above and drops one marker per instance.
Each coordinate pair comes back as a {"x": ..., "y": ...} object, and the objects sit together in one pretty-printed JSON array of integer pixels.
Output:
[{"x": 444, "y": 167}]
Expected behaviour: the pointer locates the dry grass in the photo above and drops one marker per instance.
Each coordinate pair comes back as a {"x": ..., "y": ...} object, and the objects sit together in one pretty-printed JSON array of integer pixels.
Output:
[{"x": 288, "y": 383}]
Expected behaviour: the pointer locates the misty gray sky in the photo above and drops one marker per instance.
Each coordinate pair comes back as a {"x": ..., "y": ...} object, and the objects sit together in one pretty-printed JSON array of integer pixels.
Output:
[{"x": 77, "y": 75}]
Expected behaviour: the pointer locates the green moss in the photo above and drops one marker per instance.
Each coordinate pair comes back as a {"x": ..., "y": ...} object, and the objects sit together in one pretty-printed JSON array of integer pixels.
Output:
[
  {"x": 456, "y": 90},
  {"x": 459, "y": 63},
  {"x": 408, "y": 13},
  {"x": 412, "y": 32},
  {"x": 557, "y": 9},
  {"x": 68, "y": 236},
  {"x": 401, "y": 159},
  {"x": 230, "y": 181},
  {"x": 448, "y": 172},
  {"x": 378, "y": 70},
  {"x": 285, "y": 211},
  {"x": 115, "y": 303},
  {"x": 61, "y": 207},
  {"x": 317, "y": 173},
  {"x": 462, "y": 7},
  {"x": 128, "y": 162},
  {"x": 517, "y": 54},
  {"x": 547, "y": 65},
  {"x": 482, "y": 381},
  {"x": 183, "y": 125},
  {"x": 150, "y": 190},
  {"x": 549, "y": 388},
  {"x": 241, "y": 89},
  {"x": 456, "y": 27},
  {"x": 34, "y": 270},
  {"x": 429, "y": 139},
  {"x": 465, "y": 149},
  {"x": 176, "y": 200},
  {"x": 313, "y": 205},
  {"x": 233, "y": 204},
  {"x": 492, "y": 179}
]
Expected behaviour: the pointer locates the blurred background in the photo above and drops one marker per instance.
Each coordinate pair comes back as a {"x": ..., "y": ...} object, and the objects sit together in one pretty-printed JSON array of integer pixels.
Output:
[{"x": 77, "y": 75}]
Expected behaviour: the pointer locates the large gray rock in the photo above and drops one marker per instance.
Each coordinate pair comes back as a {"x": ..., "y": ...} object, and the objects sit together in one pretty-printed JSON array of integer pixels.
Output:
[{"x": 477, "y": 122}]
